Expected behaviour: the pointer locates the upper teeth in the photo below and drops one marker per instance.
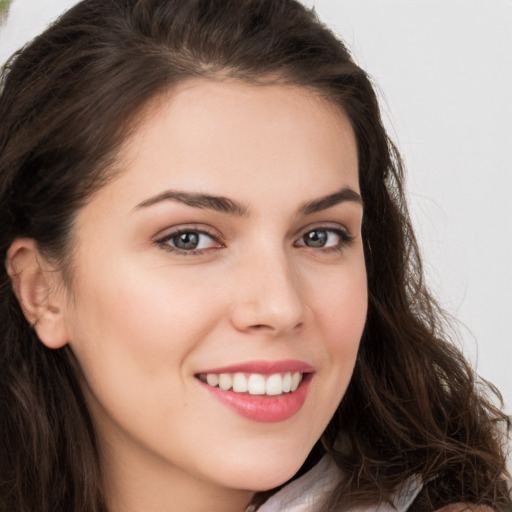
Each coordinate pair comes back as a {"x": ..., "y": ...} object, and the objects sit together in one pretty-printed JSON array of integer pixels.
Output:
[{"x": 254, "y": 383}]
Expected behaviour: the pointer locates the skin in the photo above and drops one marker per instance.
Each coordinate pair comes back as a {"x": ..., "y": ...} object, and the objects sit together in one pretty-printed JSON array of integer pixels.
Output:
[{"x": 144, "y": 319}]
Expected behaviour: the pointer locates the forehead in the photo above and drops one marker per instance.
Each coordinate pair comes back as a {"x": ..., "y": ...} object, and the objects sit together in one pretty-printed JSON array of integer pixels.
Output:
[{"x": 224, "y": 137}]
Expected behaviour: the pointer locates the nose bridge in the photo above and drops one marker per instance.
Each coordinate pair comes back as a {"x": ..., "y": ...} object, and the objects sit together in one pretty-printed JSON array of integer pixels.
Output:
[{"x": 269, "y": 294}]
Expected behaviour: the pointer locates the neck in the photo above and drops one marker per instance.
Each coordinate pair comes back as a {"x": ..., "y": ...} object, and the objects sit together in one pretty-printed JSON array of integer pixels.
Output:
[{"x": 136, "y": 484}]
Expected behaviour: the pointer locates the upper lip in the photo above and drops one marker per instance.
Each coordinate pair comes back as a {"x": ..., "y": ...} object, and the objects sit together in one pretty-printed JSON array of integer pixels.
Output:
[{"x": 264, "y": 367}]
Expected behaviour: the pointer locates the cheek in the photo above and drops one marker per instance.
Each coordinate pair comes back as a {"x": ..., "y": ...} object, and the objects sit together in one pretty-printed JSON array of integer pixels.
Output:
[
  {"x": 340, "y": 307},
  {"x": 132, "y": 333},
  {"x": 132, "y": 329},
  {"x": 339, "y": 304},
  {"x": 143, "y": 309}
]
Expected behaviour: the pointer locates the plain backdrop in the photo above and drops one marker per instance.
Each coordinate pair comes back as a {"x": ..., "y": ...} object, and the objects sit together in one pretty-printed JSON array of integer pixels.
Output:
[{"x": 443, "y": 69}]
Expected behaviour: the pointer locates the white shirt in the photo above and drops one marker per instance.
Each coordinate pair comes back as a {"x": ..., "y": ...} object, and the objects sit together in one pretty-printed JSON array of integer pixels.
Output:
[{"x": 308, "y": 493}]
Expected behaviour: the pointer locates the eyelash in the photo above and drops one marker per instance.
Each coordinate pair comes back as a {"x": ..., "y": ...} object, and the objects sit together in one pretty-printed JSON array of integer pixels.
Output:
[
  {"x": 345, "y": 237},
  {"x": 164, "y": 242}
]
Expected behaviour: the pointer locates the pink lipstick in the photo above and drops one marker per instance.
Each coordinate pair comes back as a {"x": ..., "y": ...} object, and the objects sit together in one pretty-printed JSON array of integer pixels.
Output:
[{"x": 264, "y": 391}]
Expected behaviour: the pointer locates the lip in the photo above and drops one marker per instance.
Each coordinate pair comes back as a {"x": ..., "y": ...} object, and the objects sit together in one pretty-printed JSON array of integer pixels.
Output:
[
  {"x": 262, "y": 408},
  {"x": 264, "y": 367}
]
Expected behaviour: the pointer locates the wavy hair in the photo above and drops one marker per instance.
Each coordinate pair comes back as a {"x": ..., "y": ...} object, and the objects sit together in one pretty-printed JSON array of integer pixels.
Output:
[{"x": 68, "y": 101}]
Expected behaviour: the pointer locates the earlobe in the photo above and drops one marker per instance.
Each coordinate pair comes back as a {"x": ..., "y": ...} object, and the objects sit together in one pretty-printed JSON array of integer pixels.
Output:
[{"x": 36, "y": 286}]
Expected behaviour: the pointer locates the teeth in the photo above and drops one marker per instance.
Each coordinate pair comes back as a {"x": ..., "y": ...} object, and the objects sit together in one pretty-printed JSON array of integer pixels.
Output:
[
  {"x": 225, "y": 381},
  {"x": 240, "y": 383},
  {"x": 274, "y": 385},
  {"x": 287, "y": 382},
  {"x": 255, "y": 383},
  {"x": 212, "y": 379},
  {"x": 296, "y": 378}
]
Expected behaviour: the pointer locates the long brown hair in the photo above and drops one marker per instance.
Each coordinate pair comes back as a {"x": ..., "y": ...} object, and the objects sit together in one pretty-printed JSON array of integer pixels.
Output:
[{"x": 68, "y": 101}]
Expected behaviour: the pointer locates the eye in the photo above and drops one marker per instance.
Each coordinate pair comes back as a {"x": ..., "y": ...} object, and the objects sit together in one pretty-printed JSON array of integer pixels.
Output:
[
  {"x": 325, "y": 238},
  {"x": 189, "y": 241}
]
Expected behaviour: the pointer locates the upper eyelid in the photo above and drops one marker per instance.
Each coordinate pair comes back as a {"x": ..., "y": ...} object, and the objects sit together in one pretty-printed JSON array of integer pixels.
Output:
[
  {"x": 170, "y": 232},
  {"x": 163, "y": 242},
  {"x": 338, "y": 231},
  {"x": 327, "y": 226}
]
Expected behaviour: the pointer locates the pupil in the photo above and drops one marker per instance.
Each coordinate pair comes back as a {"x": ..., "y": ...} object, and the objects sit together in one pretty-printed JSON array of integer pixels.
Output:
[
  {"x": 186, "y": 241},
  {"x": 315, "y": 238}
]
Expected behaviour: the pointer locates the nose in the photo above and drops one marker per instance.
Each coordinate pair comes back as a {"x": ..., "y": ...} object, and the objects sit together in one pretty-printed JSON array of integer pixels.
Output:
[{"x": 268, "y": 297}]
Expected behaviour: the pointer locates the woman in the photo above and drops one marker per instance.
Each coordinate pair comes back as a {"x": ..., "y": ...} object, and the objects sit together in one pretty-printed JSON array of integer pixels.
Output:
[{"x": 212, "y": 297}]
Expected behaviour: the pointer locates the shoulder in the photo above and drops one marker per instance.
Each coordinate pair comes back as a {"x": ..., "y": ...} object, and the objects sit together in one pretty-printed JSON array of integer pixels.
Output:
[
  {"x": 463, "y": 507},
  {"x": 435, "y": 498}
]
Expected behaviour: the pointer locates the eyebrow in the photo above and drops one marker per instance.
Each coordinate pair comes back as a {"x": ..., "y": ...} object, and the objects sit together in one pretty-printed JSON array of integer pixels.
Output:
[
  {"x": 203, "y": 201},
  {"x": 225, "y": 205},
  {"x": 323, "y": 203}
]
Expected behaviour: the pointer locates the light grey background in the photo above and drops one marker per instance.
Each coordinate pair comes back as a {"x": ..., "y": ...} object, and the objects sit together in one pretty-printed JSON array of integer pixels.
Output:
[{"x": 444, "y": 72}]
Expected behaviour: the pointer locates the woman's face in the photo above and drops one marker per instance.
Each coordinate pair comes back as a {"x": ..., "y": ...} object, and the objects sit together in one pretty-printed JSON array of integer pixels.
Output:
[{"x": 227, "y": 253}]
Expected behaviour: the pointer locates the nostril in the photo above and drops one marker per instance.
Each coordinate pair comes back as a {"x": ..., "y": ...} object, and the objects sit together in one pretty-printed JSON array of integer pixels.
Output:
[{"x": 260, "y": 327}]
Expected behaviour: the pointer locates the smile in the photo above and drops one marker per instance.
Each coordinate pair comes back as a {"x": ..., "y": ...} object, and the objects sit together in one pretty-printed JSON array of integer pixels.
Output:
[
  {"x": 254, "y": 383},
  {"x": 261, "y": 391}
]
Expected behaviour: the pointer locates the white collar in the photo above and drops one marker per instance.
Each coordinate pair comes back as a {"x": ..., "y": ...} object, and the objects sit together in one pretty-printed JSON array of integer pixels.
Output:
[{"x": 308, "y": 493}]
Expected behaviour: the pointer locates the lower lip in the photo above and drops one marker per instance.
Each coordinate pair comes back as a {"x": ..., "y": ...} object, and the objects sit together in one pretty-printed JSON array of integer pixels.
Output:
[{"x": 263, "y": 408}]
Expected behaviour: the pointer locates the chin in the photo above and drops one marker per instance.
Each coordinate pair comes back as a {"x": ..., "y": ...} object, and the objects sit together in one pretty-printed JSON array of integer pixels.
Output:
[{"x": 262, "y": 476}]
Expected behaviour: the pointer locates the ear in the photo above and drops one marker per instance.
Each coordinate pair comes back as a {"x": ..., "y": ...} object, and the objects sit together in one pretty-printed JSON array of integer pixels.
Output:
[{"x": 37, "y": 285}]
